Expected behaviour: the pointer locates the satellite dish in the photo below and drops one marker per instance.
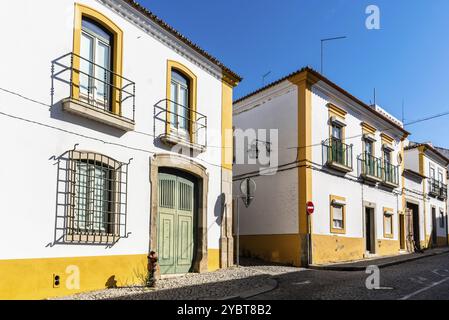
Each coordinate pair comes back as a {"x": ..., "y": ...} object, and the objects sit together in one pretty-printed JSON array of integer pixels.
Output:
[{"x": 248, "y": 189}]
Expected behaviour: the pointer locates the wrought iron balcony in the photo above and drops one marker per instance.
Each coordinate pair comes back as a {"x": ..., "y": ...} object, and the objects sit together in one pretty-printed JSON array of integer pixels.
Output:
[
  {"x": 370, "y": 167},
  {"x": 443, "y": 191},
  {"x": 95, "y": 91},
  {"x": 390, "y": 174},
  {"x": 337, "y": 155},
  {"x": 437, "y": 189},
  {"x": 178, "y": 125}
]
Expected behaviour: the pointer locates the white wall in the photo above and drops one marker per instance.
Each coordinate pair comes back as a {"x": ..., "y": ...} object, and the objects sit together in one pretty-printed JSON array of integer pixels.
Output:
[
  {"x": 34, "y": 130},
  {"x": 325, "y": 183},
  {"x": 275, "y": 208}
]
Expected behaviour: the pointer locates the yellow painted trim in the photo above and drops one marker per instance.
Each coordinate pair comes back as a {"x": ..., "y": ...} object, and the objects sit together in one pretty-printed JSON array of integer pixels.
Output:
[
  {"x": 280, "y": 248},
  {"x": 33, "y": 278},
  {"x": 213, "y": 259},
  {"x": 337, "y": 111},
  {"x": 391, "y": 211},
  {"x": 386, "y": 139},
  {"x": 117, "y": 51},
  {"x": 368, "y": 129},
  {"x": 227, "y": 140},
  {"x": 304, "y": 82},
  {"x": 421, "y": 150},
  {"x": 192, "y": 94},
  {"x": 331, "y": 210}
]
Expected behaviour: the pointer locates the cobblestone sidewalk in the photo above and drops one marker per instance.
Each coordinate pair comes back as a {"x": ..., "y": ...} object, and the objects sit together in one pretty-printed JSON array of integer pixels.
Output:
[{"x": 193, "y": 286}]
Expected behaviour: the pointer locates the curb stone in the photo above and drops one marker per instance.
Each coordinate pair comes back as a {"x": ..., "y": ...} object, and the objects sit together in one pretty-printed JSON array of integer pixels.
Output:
[{"x": 381, "y": 265}]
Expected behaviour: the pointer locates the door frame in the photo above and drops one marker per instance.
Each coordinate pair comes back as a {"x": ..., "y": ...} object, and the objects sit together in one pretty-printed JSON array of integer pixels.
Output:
[
  {"x": 198, "y": 171},
  {"x": 370, "y": 206}
]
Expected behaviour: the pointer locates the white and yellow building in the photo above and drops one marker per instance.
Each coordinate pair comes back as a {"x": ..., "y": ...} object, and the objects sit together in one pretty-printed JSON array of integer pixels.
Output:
[
  {"x": 426, "y": 194},
  {"x": 334, "y": 150},
  {"x": 114, "y": 145}
]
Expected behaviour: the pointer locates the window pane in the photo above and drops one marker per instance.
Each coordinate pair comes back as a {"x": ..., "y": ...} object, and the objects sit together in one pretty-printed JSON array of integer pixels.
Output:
[
  {"x": 96, "y": 30},
  {"x": 184, "y": 112},
  {"x": 173, "y": 105},
  {"x": 337, "y": 212},
  {"x": 85, "y": 63},
  {"x": 336, "y": 132},
  {"x": 103, "y": 61},
  {"x": 388, "y": 220},
  {"x": 80, "y": 196}
]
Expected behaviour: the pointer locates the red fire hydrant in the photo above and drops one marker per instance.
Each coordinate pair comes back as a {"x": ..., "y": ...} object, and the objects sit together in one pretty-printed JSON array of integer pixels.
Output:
[{"x": 152, "y": 269}]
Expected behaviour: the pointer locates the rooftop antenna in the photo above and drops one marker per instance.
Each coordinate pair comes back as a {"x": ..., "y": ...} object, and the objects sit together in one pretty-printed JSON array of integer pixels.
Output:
[
  {"x": 374, "y": 97},
  {"x": 264, "y": 76},
  {"x": 403, "y": 111},
  {"x": 322, "y": 49}
]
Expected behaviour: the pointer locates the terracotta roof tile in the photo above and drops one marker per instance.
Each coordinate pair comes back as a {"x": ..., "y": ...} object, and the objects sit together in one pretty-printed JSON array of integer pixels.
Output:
[{"x": 227, "y": 72}]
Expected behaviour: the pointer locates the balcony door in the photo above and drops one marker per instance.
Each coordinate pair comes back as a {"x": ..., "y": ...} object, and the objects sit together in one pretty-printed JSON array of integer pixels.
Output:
[
  {"x": 179, "y": 104},
  {"x": 337, "y": 143},
  {"x": 95, "y": 65}
]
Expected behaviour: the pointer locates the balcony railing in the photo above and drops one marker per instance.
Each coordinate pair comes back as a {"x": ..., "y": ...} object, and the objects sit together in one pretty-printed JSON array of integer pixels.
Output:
[
  {"x": 390, "y": 174},
  {"x": 95, "y": 87},
  {"x": 437, "y": 188},
  {"x": 176, "y": 124},
  {"x": 337, "y": 155},
  {"x": 371, "y": 167}
]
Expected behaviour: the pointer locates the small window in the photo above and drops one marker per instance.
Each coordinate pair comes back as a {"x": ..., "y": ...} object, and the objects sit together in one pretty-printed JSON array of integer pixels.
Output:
[
  {"x": 388, "y": 224},
  {"x": 337, "y": 218},
  {"x": 432, "y": 172},
  {"x": 338, "y": 214},
  {"x": 337, "y": 132},
  {"x": 387, "y": 156},
  {"x": 369, "y": 147}
]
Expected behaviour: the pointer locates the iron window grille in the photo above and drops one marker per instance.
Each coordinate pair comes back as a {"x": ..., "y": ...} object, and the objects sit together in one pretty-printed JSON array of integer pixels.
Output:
[{"x": 92, "y": 198}]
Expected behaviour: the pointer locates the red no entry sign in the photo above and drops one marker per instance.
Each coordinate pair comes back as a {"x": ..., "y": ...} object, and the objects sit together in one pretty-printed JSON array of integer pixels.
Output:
[{"x": 310, "y": 207}]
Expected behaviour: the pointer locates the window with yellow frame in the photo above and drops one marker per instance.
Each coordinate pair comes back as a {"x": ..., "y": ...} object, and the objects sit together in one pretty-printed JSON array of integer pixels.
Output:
[
  {"x": 97, "y": 60},
  {"x": 388, "y": 223},
  {"x": 181, "y": 101},
  {"x": 338, "y": 214}
]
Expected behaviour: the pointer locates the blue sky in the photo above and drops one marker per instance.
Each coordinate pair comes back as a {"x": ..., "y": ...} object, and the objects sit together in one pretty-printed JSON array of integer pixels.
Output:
[{"x": 407, "y": 59}]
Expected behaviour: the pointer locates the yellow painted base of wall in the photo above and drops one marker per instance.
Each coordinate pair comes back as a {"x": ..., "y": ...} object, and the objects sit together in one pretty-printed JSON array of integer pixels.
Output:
[
  {"x": 213, "y": 259},
  {"x": 388, "y": 247},
  {"x": 282, "y": 248},
  {"x": 442, "y": 242},
  {"x": 328, "y": 249},
  {"x": 33, "y": 278}
]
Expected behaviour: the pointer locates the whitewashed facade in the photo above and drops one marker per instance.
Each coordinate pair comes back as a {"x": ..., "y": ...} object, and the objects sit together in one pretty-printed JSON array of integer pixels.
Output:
[
  {"x": 323, "y": 158},
  {"x": 426, "y": 194},
  {"x": 45, "y": 113}
]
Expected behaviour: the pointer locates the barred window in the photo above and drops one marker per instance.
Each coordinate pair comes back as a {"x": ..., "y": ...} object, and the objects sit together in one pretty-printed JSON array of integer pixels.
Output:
[{"x": 95, "y": 193}]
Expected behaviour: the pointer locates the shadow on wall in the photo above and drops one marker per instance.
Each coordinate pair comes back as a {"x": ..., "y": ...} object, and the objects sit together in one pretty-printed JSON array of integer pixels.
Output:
[{"x": 219, "y": 208}]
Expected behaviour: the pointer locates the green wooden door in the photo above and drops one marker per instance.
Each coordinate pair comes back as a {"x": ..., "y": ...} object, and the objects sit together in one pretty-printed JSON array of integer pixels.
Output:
[{"x": 175, "y": 224}]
